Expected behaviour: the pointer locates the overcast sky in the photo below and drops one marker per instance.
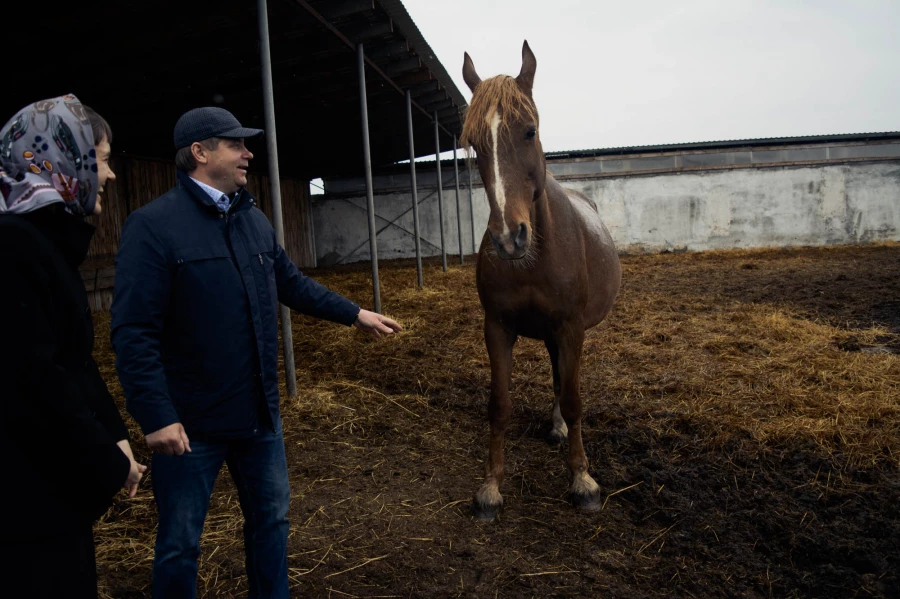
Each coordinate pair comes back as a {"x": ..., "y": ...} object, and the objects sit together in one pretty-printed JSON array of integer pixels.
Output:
[{"x": 637, "y": 72}]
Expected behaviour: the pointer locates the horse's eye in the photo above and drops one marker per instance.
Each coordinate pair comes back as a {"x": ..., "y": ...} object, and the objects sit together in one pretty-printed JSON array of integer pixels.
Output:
[{"x": 530, "y": 133}]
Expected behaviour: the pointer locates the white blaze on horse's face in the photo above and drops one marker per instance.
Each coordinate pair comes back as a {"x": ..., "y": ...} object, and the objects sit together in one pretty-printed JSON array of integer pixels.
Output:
[
  {"x": 501, "y": 124},
  {"x": 505, "y": 166},
  {"x": 499, "y": 191}
]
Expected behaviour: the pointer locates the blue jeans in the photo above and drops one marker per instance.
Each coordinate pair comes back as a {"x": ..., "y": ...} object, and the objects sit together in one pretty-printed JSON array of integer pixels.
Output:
[{"x": 182, "y": 486}]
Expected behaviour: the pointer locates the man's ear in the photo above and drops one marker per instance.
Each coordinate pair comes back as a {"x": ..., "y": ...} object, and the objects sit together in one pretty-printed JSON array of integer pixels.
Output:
[{"x": 199, "y": 152}]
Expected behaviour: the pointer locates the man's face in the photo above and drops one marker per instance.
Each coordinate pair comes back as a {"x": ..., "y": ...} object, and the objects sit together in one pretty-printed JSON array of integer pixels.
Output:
[{"x": 226, "y": 166}]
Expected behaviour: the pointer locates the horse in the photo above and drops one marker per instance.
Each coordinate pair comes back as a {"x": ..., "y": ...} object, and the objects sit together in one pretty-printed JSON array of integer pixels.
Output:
[{"x": 547, "y": 269}]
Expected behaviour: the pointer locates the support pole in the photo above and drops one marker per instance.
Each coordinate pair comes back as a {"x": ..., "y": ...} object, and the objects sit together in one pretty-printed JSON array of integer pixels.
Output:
[
  {"x": 287, "y": 338},
  {"x": 458, "y": 213},
  {"x": 415, "y": 192},
  {"x": 367, "y": 159},
  {"x": 471, "y": 205},
  {"x": 440, "y": 188}
]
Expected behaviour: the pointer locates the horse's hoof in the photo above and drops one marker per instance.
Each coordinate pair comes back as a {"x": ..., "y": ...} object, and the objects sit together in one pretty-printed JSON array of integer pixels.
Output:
[
  {"x": 485, "y": 512},
  {"x": 556, "y": 437},
  {"x": 587, "y": 502}
]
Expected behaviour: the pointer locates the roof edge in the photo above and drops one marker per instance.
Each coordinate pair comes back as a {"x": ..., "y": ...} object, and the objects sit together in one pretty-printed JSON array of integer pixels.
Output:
[
  {"x": 724, "y": 144},
  {"x": 398, "y": 13}
]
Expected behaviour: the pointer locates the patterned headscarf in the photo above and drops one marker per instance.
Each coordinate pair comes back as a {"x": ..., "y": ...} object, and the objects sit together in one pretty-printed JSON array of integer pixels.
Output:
[{"x": 47, "y": 156}]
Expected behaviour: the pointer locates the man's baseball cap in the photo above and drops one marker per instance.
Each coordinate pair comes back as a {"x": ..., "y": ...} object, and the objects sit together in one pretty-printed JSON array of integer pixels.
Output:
[{"x": 210, "y": 121}]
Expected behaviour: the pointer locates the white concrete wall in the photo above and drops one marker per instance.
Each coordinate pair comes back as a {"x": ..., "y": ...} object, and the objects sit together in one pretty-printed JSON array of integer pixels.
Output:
[
  {"x": 696, "y": 210},
  {"x": 342, "y": 234},
  {"x": 742, "y": 208}
]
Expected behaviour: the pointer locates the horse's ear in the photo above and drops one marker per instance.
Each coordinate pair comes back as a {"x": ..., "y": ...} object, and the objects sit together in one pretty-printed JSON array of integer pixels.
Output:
[
  {"x": 469, "y": 75},
  {"x": 529, "y": 64}
]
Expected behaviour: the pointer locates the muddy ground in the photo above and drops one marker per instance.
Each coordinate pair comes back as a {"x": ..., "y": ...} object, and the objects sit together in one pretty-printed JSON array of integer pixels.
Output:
[{"x": 741, "y": 417}]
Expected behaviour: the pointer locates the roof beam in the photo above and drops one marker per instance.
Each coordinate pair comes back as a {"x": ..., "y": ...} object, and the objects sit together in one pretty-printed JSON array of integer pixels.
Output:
[
  {"x": 408, "y": 79},
  {"x": 363, "y": 33},
  {"x": 368, "y": 61},
  {"x": 439, "y": 105},
  {"x": 345, "y": 8},
  {"x": 429, "y": 98},
  {"x": 387, "y": 50},
  {"x": 445, "y": 112},
  {"x": 398, "y": 67},
  {"x": 429, "y": 85}
]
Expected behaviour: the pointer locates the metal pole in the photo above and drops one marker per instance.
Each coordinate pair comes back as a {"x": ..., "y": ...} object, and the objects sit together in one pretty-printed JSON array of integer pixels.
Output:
[
  {"x": 415, "y": 196},
  {"x": 367, "y": 159},
  {"x": 440, "y": 188},
  {"x": 287, "y": 338},
  {"x": 458, "y": 213},
  {"x": 471, "y": 204}
]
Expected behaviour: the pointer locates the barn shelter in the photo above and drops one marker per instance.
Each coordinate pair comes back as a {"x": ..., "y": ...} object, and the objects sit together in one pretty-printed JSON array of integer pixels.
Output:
[{"x": 295, "y": 67}]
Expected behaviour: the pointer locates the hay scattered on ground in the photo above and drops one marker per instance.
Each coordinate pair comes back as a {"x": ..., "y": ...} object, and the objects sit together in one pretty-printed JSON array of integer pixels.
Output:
[{"x": 741, "y": 413}]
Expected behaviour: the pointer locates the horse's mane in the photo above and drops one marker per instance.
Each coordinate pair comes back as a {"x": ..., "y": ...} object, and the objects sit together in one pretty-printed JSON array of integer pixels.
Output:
[{"x": 500, "y": 92}]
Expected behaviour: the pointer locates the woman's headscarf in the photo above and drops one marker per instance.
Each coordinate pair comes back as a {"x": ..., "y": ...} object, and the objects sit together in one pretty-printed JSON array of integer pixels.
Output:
[{"x": 47, "y": 156}]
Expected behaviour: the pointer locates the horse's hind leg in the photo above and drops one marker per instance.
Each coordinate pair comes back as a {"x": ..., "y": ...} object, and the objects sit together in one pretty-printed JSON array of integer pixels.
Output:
[
  {"x": 584, "y": 491},
  {"x": 559, "y": 430},
  {"x": 488, "y": 501}
]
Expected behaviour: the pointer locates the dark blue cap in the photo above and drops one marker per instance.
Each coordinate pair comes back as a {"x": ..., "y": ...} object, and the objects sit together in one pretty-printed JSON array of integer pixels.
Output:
[{"x": 210, "y": 121}]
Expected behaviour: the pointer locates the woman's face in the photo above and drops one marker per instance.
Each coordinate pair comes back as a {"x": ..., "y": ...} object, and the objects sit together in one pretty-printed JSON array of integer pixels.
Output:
[{"x": 104, "y": 173}]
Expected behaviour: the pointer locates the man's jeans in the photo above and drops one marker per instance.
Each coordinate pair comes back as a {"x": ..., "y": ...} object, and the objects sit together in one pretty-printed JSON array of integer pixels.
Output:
[{"x": 183, "y": 485}]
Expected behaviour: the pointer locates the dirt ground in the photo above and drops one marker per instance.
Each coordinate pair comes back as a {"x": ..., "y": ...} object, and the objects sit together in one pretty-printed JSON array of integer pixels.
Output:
[{"x": 741, "y": 417}]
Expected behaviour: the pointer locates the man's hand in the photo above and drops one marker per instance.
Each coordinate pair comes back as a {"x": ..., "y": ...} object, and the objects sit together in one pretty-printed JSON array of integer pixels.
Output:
[
  {"x": 375, "y": 323},
  {"x": 169, "y": 440},
  {"x": 136, "y": 472}
]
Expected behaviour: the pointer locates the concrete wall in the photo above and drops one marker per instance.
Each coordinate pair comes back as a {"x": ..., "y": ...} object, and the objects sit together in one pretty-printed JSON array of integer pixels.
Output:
[
  {"x": 745, "y": 208},
  {"x": 341, "y": 223},
  {"x": 690, "y": 200}
]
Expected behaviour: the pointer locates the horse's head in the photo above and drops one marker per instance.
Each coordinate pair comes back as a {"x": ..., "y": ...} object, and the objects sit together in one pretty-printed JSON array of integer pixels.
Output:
[{"x": 502, "y": 125}]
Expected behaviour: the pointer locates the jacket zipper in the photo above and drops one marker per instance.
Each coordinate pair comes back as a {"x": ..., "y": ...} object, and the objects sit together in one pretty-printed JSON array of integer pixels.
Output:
[
  {"x": 262, "y": 397},
  {"x": 228, "y": 242}
]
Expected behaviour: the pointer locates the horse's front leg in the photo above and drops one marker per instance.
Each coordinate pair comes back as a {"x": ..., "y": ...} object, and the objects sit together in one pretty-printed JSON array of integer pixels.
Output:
[
  {"x": 569, "y": 340},
  {"x": 559, "y": 431},
  {"x": 488, "y": 501}
]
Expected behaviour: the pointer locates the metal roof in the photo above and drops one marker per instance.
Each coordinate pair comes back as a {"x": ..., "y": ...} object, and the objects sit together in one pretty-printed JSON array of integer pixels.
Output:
[
  {"x": 726, "y": 144},
  {"x": 143, "y": 64}
]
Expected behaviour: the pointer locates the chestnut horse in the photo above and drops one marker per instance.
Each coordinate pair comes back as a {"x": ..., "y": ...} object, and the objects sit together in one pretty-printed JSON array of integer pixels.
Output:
[{"x": 547, "y": 268}]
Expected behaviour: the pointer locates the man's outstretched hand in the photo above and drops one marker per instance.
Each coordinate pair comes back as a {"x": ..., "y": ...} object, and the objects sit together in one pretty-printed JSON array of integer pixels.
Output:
[{"x": 375, "y": 323}]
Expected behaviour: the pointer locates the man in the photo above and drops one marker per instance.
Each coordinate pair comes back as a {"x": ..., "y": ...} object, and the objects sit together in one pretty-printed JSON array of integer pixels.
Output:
[{"x": 198, "y": 279}]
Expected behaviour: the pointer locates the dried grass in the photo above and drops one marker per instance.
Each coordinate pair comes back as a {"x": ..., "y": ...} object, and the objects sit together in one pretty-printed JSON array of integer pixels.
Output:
[{"x": 715, "y": 357}]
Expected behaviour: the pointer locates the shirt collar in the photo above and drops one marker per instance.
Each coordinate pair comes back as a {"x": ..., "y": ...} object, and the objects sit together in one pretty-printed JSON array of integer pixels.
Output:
[{"x": 220, "y": 198}]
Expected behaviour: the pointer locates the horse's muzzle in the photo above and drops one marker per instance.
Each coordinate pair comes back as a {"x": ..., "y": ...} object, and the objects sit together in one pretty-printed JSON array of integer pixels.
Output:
[{"x": 513, "y": 246}]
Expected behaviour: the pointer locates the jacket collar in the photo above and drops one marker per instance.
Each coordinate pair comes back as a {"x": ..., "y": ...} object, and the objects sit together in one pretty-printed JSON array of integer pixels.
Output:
[{"x": 243, "y": 202}]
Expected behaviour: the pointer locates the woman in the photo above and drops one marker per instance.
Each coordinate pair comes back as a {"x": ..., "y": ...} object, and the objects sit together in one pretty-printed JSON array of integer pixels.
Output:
[{"x": 64, "y": 449}]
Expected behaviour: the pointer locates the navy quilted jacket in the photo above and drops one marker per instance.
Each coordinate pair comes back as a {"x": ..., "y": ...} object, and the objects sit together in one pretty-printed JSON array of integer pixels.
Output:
[{"x": 194, "y": 317}]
